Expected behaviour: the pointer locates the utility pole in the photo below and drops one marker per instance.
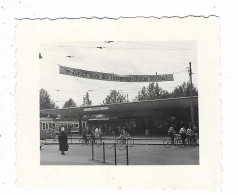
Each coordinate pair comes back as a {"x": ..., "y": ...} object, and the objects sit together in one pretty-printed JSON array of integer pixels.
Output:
[
  {"x": 80, "y": 125},
  {"x": 156, "y": 86},
  {"x": 191, "y": 94}
]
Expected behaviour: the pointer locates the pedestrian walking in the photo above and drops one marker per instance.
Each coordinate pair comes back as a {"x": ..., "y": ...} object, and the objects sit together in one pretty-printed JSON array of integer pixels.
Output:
[{"x": 147, "y": 132}]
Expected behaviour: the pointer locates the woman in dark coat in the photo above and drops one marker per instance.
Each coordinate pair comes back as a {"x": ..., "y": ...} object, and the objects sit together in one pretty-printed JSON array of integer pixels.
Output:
[{"x": 63, "y": 141}]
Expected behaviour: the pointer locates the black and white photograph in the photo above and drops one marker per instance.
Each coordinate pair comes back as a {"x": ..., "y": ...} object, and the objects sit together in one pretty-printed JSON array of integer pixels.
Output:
[
  {"x": 119, "y": 103},
  {"x": 107, "y": 99}
]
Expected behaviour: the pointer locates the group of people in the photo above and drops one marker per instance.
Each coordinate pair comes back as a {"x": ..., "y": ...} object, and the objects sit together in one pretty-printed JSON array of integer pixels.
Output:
[
  {"x": 189, "y": 133},
  {"x": 96, "y": 132},
  {"x": 87, "y": 134},
  {"x": 92, "y": 134}
]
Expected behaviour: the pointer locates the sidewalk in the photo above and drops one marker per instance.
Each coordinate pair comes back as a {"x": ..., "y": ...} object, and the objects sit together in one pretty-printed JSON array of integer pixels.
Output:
[
  {"x": 138, "y": 155},
  {"x": 50, "y": 155}
]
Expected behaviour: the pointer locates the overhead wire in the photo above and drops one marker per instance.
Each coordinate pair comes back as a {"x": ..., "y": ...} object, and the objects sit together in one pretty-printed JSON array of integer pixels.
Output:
[
  {"x": 116, "y": 85},
  {"x": 104, "y": 44},
  {"x": 113, "y": 42},
  {"x": 79, "y": 57},
  {"x": 102, "y": 88},
  {"x": 100, "y": 94},
  {"x": 121, "y": 84},
  {"x": 118, "y": 59}
]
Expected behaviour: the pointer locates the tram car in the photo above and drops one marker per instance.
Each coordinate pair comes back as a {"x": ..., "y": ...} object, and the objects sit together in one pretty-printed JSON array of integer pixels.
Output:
[
  {"x": 47, "y": 128},
  {"x": 71, "y": 126}
]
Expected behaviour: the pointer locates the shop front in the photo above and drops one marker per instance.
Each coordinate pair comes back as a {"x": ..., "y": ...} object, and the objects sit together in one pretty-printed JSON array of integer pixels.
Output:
[{"x": 155, "y": 116}]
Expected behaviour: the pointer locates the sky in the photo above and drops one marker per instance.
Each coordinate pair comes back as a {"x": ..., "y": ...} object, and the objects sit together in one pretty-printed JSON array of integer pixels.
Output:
[{"x": 124, "y": 58}]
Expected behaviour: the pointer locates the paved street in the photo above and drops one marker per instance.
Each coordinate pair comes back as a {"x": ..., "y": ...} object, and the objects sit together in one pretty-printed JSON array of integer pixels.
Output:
[{"x": 138, "y": 154}]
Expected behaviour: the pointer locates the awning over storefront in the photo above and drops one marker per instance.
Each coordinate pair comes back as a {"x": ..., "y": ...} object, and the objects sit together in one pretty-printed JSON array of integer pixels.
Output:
[{"x": 128, "y": 107}]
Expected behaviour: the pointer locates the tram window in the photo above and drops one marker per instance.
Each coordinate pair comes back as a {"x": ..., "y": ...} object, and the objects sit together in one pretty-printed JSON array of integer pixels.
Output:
[
  {"x": 50, "y": 125},
  {"x": 76, "y": 125},
  {"x": 83, "y": 124},
  {"x": 40, "y": 125},
  {"x": 53, "y": 125},
  {"x": 43, "y": 125},
  {"x": 46, "y": 125}
]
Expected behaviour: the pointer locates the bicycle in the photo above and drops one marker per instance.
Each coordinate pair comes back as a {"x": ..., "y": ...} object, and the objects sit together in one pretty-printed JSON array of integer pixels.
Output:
[
  {"x": 82, "y": 141},
  {"x": 168, "y": 142},
  {"x": 177, "y": 142},
  {"x": 98, "y": 141},
  {"x": 189, "y": 141},
  {"x": 122, "y": 142},
  {"x": 91, "y": 140}
]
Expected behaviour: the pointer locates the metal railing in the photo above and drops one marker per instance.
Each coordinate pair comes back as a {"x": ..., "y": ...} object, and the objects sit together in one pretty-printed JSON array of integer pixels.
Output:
[{"x": 70, "y": 139}]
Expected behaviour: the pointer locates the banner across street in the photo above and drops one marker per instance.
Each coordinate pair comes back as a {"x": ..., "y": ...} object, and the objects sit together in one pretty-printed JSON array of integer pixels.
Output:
[{"x": 114, "y": 77}]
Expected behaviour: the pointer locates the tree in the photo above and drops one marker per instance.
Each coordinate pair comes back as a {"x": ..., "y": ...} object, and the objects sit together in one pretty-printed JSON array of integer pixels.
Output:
[
  {"x": 151, "y": 95},
  {"x": 164, "y": 94},
  {"x": 184, "y": 90},
  {"x": 45, "y": 100},
  {"x": 153, "y": 91},
  {"x": 114, "y": 97},
  {"x": 69, "y": 103},
  {"x": 86, "y": 100},
  {"x": 142, "y": 95}
]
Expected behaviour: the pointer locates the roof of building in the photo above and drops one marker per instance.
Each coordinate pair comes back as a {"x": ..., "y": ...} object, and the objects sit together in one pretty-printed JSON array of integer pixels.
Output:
[
  {"x": 128, "y": 107},
  {"x": 47, "y": 119}
]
